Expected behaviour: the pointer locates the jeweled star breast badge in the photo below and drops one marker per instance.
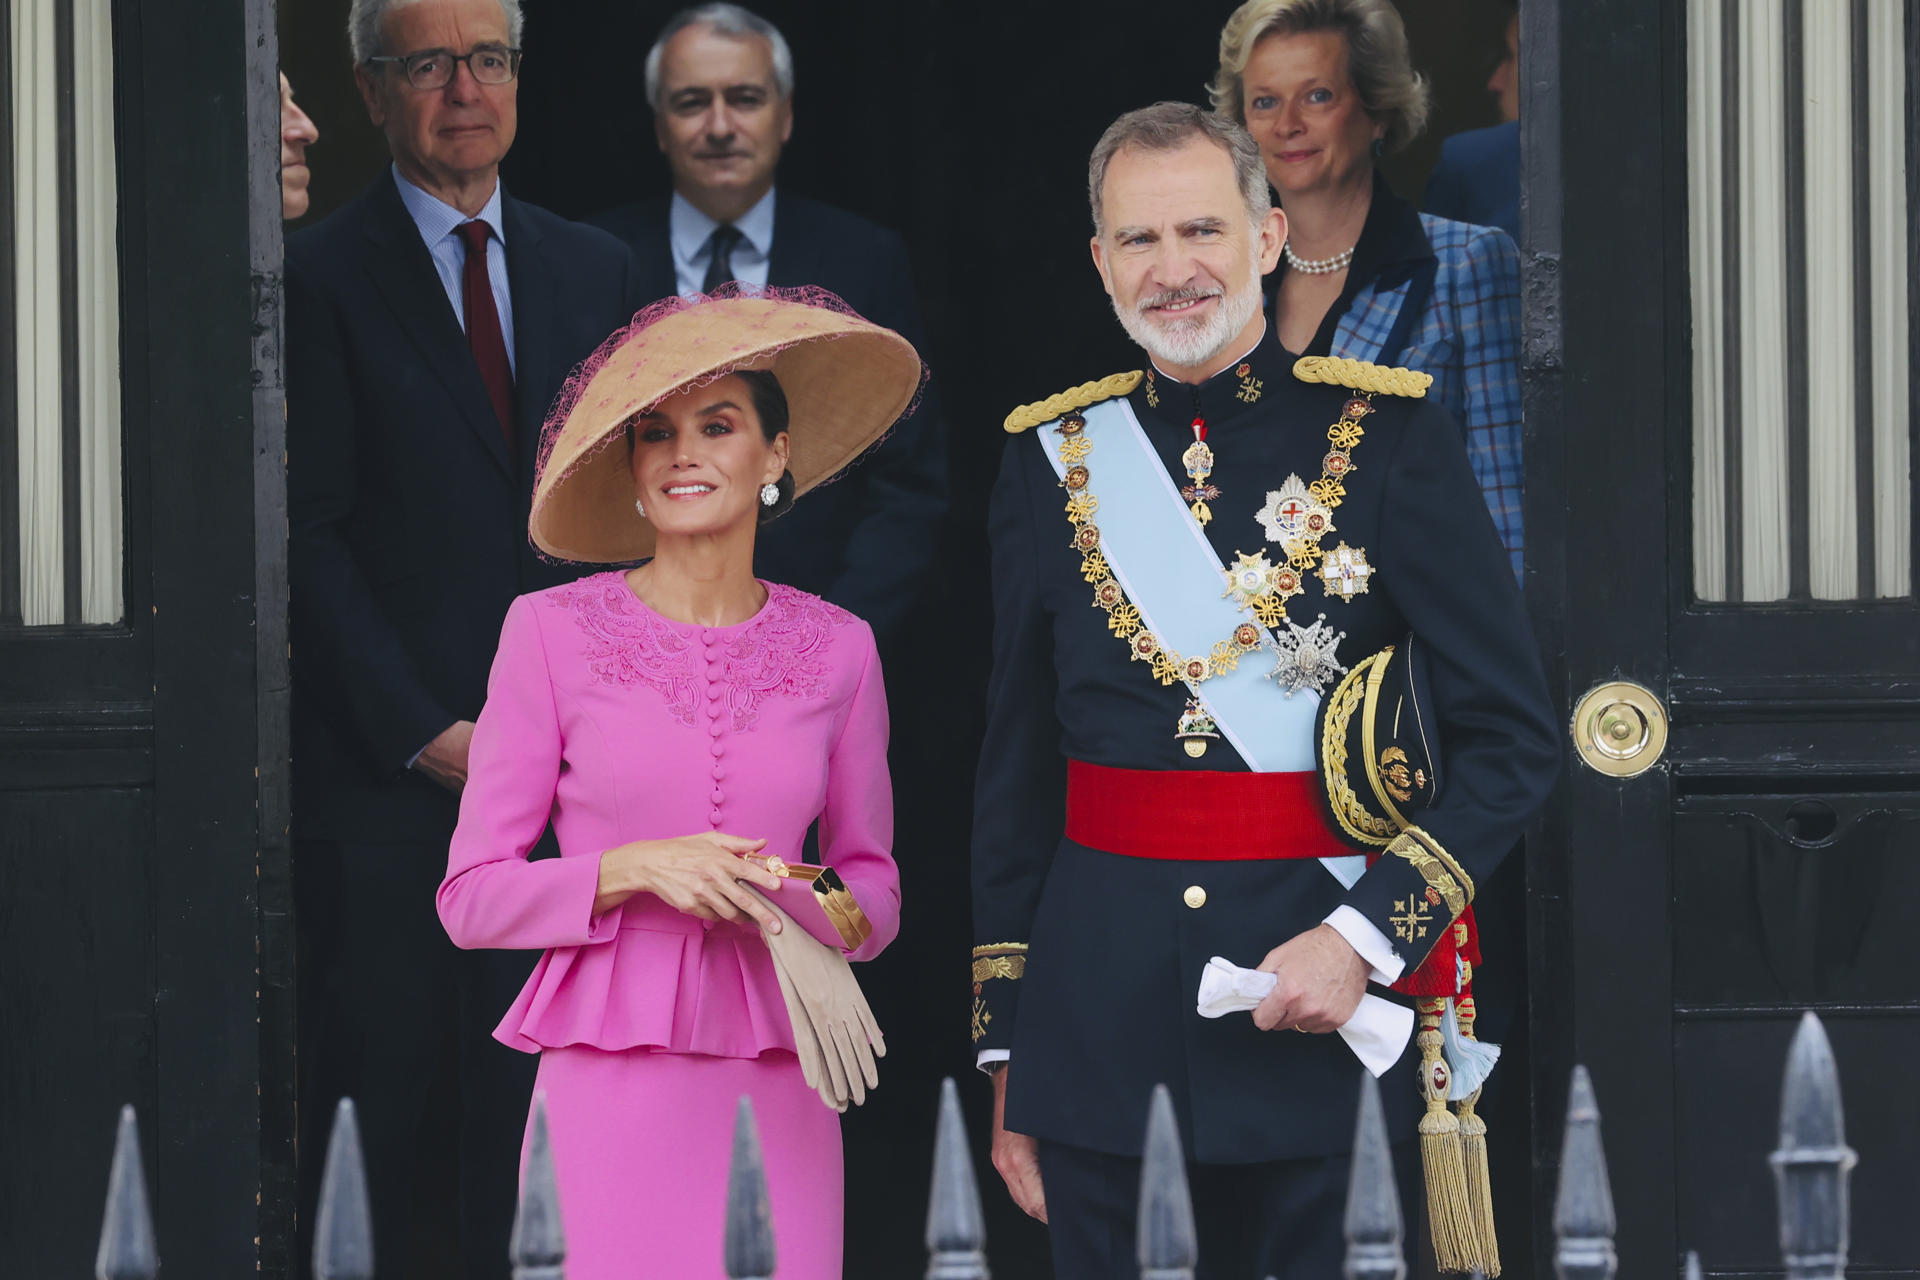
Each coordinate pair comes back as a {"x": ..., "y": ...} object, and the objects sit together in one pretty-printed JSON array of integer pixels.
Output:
[
  {"x": 1294, "y": 518},
  {"x": 1309, "y": 657}
]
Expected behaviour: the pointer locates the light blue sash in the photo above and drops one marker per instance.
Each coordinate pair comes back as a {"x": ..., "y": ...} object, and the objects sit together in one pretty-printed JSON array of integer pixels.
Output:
[{"x": 1165, "y": 564}]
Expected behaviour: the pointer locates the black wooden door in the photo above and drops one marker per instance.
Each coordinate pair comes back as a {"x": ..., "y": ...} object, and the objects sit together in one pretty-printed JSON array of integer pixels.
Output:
[
  {"x": 1685, "y": 520},
  {"x": 142, "y": 694}
]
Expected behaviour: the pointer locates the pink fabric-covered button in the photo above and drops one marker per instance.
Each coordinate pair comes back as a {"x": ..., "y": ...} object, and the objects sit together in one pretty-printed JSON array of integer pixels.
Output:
[
  {"x": 713, "y": 693},
  {"x": 716, "y": 819},
  {"x": 717, "y": 798},
  {"x": 714, "y": 728}
]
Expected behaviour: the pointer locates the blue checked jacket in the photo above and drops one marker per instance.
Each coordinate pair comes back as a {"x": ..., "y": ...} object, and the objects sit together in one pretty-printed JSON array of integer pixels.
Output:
[{"x": 1467, "y": 336}]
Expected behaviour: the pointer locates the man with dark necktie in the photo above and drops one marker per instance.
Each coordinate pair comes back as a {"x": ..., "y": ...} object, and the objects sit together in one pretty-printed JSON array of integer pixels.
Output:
[
  {"x": 720, "y": 80},
  {"x": 429, "y": 324}
]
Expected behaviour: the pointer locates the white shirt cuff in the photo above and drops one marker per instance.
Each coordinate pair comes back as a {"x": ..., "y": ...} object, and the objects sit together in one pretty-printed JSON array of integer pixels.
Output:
[
  {"x": 987, "y": 1057},
  {"x": 1370, "y": 943}
]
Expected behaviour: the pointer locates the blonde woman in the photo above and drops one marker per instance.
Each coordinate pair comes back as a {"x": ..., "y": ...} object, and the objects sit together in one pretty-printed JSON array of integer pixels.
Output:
[{"x": 1326, "y": 88}]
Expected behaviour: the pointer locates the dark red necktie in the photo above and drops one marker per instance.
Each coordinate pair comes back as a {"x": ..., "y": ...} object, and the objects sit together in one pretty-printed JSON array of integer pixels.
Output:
[{"x": 483, "y": 326}]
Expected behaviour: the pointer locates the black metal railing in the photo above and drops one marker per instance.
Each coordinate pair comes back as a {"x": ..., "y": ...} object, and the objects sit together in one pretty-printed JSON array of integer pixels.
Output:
[{"x": 1811, "y": 1167}]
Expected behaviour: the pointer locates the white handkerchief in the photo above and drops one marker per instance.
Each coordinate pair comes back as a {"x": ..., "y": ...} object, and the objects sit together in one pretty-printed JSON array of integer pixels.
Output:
[{"x": 1377, "y": 1033}]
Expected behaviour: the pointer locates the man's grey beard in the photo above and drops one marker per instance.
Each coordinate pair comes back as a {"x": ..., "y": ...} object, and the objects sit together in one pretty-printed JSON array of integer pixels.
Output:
[{"x": 1193, "y": 342}]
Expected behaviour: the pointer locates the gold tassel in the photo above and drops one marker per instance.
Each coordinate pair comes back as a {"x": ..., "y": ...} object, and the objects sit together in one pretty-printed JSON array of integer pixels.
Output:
[
  {"x": 1448, "y": 1208},
  {"x": 1473, "y": 1151}
]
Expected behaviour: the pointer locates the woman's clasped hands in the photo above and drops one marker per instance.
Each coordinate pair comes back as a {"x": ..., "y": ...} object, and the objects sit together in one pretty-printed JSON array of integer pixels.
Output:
[{"x": 703, "y": 875}]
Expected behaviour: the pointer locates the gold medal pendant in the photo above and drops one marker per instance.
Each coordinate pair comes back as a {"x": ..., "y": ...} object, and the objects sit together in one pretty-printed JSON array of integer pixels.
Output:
[
  {"x": 1196, "y": 729},
  {"x": 1198, "y": 460}
]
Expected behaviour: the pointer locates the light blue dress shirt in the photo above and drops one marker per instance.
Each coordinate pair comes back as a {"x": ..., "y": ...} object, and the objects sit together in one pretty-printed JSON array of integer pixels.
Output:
[
  {"x": 691, "y": 231},
  {"x": 437, "y": 221}
]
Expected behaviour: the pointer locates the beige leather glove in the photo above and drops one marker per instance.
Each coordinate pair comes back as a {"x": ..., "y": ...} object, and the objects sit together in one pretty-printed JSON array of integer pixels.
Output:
[
  {"x": 813, "y": 1061},
  {"x": 833, "y": 1027}
]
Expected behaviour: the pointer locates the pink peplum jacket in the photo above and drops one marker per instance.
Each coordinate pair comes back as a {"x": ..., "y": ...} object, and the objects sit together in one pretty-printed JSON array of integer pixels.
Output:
[{"x": 617, "y": 725}]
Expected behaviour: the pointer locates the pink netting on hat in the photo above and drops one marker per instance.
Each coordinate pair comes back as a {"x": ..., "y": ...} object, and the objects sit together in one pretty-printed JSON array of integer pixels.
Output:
[{"x": 747, "y": 339}]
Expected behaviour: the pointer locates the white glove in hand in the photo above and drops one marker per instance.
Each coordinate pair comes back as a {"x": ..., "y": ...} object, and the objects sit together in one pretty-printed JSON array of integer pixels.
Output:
[{"x": 832, "y": 1024}]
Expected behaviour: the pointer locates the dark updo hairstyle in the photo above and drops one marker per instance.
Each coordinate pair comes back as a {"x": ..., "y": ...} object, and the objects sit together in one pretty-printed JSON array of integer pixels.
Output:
[{"x": 770, "y": 403}]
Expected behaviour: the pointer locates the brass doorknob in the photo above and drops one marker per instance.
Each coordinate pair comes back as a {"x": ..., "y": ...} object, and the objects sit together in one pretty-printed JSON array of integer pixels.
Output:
[{"x": 1620, "y": 728}]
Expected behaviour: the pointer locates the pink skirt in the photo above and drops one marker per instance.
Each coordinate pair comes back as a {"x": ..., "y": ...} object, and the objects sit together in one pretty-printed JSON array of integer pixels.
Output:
[{"x": 641, "y": 1145}]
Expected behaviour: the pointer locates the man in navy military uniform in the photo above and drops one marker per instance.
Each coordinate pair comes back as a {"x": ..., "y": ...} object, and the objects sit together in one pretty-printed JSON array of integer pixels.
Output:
[{"x": 1147, "y": 801}]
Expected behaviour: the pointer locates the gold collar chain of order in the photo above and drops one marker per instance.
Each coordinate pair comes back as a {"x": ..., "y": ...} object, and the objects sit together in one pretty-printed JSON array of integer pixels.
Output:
[{"x": 1268, "y": 607}]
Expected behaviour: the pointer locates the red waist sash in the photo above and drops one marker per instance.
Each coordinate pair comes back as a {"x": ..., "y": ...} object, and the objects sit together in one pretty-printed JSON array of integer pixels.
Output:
[
  {"x": 1203, "y": 816},
  {"x": 1197, "y": 815}
]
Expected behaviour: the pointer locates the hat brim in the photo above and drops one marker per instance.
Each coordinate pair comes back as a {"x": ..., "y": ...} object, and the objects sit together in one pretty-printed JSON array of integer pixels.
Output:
[{"x": 847, "y": 382}]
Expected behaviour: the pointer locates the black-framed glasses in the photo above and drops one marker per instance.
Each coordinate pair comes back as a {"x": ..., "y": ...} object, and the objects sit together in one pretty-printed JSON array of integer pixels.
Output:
[{"x": 434, "y": 68}]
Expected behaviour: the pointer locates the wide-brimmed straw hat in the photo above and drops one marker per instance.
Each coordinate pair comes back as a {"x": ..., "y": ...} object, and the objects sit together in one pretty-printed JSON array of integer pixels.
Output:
[{"x": 846, "y": 379}]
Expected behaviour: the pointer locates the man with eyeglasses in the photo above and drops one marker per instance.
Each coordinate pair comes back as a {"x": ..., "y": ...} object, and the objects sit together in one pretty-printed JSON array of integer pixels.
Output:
[{"x": 430, "y": 323}]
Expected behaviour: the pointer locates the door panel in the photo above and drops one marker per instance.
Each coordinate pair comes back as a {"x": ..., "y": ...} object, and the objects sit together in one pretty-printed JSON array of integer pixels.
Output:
[{"x": 1682, "y": 918}]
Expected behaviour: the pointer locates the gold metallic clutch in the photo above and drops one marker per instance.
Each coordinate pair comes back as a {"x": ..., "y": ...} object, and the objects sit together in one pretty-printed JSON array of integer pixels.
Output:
[{"x": 836, "y": 900}]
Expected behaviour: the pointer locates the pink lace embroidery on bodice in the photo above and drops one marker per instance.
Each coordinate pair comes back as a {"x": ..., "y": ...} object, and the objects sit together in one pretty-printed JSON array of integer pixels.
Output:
[{"x": 782, "y": 651}]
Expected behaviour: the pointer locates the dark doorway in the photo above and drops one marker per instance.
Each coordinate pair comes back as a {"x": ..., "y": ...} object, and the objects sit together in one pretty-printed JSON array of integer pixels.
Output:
[
  {"x": 142, "y": 713},
  {"x": 1683, "y": 297}
]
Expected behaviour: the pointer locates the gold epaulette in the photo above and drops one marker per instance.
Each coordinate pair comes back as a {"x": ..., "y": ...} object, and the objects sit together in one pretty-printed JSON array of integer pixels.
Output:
[
  {"x": 1358, "y": 375},
  {"x": 1028, "y": 416}
]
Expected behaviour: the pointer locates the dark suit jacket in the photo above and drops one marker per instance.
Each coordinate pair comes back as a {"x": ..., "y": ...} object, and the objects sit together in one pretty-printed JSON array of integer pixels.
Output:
[
  {"x": 866, "y": 541},
  {"x": 408, "y": 513},
  {"x": 1478, "y": 179}
]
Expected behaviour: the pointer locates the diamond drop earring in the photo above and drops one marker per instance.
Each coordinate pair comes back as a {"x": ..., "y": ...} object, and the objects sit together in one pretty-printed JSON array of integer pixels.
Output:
[
  {"x": 769, "y": 494},
  {"x": 640, "y": 506}
]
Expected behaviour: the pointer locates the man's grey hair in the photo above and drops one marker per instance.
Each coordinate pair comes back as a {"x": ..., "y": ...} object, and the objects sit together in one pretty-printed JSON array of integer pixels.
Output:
[
  {"x": 365, "y": 17},
  {"x": 1167, "y": 126},
  {"x": 727, "y": 20}
]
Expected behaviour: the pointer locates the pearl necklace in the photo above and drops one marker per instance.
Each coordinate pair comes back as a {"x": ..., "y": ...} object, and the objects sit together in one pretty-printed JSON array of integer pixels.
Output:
[{"x": 1317, "y": 266}]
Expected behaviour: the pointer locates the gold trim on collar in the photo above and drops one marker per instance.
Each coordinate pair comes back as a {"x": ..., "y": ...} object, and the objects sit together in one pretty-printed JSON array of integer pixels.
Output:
[{"x": 1028, "y": 416}]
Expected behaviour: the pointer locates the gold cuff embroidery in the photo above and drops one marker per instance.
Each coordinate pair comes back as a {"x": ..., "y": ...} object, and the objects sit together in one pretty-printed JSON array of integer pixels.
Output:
[
  {"x": 1438, "y": 875},
  {"x": 994, "y": 960},
  {"x": 986, "y": 968},
  {"x": 1447, "y": 860},
  {"x": 980, "y": 1019}
]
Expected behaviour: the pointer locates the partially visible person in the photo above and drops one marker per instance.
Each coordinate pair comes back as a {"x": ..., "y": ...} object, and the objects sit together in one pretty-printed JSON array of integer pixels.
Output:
[
  {"x": 720, "y": 82},
  {"x": 297, "y": 133},
  {"x": 1478, "y": 177},
  {"x": 1326, "y": 88},
  {"x": 430, "y": 322},
  {"x": 684, "y": 723}
]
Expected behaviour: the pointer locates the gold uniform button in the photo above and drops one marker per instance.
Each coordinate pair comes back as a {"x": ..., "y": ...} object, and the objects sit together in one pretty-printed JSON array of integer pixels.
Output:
[{"x": 1195, "y": 897}]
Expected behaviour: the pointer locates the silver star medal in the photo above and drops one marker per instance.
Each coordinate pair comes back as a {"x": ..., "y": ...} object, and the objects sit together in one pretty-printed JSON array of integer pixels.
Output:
[
  {"x": 1293, "y": 517},
  {"x": 1307, "y": 657}
]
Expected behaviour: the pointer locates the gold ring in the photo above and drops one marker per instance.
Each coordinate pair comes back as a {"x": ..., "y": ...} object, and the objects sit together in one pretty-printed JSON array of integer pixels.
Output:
[{"x": 1297, "y": 1027}]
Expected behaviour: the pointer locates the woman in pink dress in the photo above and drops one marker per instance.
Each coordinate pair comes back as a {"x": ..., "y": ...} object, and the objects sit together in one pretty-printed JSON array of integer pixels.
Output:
[{"x": 681, "y": 725}]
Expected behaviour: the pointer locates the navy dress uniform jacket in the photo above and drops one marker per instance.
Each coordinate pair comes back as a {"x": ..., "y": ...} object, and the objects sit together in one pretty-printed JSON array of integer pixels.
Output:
[
  {"x": 1103, "y": 1007},
  {"x": 408, "y": 514},
  {"x": 866, "y": 541}
]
